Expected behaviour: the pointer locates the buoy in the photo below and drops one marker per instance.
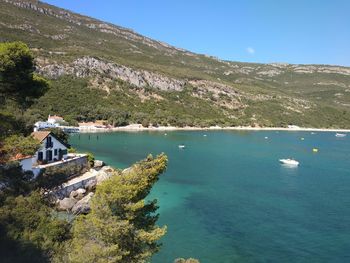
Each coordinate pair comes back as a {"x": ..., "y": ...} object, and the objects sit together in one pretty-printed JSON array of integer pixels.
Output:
[{"x": 315, "y": 150}]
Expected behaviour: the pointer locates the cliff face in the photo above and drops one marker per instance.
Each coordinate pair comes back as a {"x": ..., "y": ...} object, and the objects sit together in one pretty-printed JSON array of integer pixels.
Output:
[
  {"x": 90, "y": 67},
  {"x": 69, "y": 44}
]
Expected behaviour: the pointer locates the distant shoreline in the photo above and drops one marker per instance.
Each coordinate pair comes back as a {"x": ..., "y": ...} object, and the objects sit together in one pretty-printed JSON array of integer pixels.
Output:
[{"x": 139, "y": 127}]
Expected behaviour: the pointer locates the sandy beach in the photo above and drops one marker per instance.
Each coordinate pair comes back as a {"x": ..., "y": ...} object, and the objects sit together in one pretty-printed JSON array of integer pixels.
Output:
[{"x": 139, "y": 127}]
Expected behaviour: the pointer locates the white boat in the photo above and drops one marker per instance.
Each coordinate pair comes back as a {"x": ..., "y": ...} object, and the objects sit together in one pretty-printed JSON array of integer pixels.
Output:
[
  {"x": 291, "y": 162},
  {"x": 181, "y": 146},
  {"x": 340, "y": 135}
]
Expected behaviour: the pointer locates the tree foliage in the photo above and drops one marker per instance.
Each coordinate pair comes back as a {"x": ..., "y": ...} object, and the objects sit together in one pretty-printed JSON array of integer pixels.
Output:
[
  {"x": 17, "y": 78},
  {"x": 121, "y": 226},
  {"x": 14, "y": 181},
  {"x": 28, "y": 220},
  {"x": 17, "y": 145}
]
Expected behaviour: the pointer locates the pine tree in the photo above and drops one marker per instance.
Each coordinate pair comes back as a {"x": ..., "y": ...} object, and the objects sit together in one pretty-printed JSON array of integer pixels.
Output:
[{"x": 121, "y": 226}]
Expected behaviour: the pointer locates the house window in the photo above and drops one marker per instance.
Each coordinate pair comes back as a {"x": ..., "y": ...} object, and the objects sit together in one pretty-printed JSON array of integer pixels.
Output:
[
  {"x": 49, "y": 142},
  {"x": 40, "y": 156},
  {"x": 55, "y": 152}
]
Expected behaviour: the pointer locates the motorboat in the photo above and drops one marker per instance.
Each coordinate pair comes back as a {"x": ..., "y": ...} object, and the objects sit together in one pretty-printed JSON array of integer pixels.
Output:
[
  {"x": 181, "y": 146},
  {"x": 340, "y": 134},
  {"x": 290, "y": 162}
]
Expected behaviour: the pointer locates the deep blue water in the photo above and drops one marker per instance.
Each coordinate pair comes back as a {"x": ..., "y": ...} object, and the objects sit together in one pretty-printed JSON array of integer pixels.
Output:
[{"x": 225, "y": 197}]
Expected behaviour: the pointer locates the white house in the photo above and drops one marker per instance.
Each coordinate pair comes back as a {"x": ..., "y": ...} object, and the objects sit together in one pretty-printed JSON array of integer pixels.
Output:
[
  {"x": 52, "y": 149},
  {"x": 52, "y": 153},
  {"x": 52, "y": 122},
  {"x": 42, "y": 125}
]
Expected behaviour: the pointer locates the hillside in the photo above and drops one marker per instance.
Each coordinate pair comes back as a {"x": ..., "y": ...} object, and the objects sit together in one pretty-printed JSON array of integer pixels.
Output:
[{"x": 102, "y": 71}]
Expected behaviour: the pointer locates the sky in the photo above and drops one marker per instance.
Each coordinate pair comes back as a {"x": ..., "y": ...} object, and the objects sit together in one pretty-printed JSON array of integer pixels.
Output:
[{"x": 292, "y": 31}]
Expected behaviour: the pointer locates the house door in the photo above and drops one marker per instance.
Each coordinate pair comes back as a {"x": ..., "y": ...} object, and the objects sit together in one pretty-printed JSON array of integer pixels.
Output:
[
  {"x": 60, "y": 154},
  {"x": 49, "y": 155},
  {"x": 40, "y": 156}
]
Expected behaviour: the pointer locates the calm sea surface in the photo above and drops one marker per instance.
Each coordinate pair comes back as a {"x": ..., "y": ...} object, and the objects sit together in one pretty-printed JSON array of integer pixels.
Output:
[{"x": 226, "y": 198}]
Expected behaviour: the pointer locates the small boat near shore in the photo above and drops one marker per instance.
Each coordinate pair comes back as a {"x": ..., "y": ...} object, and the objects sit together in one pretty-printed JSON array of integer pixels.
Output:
[
  {"x": 182, "y": 146},
  {"x": 340, "y": 134},
  {"x": 290, "y": 162}
]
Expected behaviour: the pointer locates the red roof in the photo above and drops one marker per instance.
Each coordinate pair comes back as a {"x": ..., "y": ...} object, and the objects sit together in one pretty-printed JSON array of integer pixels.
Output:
[
  {"x": 40, "y": 135},
  {"x": 19, "y": 157}
]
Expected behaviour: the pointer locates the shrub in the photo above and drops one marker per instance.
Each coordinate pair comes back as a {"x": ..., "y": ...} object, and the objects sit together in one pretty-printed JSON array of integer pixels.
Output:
[{"x": 91, "y": 159}]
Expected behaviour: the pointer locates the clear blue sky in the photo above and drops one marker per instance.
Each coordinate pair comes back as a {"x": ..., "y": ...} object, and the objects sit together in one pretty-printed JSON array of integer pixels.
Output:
[{"x": 294, "y": 31}]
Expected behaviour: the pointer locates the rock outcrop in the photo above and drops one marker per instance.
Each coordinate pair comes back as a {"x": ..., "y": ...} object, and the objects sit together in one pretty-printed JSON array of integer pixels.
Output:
[
  {"x": 89, "y": 67},
  {"x": 98, "y": 164},
  {"x": 77, "y": 194},
  {"x": 66, "y": 204},
  {"x": 83, "y": 205}
]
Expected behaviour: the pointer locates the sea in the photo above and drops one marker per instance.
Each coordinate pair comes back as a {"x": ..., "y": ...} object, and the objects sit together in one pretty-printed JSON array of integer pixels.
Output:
[{"x": 225, "y": 197}]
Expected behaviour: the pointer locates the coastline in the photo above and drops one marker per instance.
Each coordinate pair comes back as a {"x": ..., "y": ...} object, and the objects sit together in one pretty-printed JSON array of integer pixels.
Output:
[{"x": 140, "y": 128}]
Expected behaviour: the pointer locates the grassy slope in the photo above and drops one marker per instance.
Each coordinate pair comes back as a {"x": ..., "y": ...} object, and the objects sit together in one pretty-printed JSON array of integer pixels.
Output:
[{"x": 79, "y": 40}]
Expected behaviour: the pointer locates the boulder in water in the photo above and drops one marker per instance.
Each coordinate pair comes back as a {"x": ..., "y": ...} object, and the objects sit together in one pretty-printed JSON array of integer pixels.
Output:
[{"x": 98, "y": 164}]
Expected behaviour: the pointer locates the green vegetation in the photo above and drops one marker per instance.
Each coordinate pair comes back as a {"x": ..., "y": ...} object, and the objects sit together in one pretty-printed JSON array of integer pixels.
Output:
[
  {"x": 121, "y": 225},
  {"x": 73, "y": 99},
  {"x": 29, "y": 232},
  {"x": 269, "y": 95},
  {"x": 18, "y": 81},
  {"x": 17, "y": 145},
  {"x": 91, "y": 159}
]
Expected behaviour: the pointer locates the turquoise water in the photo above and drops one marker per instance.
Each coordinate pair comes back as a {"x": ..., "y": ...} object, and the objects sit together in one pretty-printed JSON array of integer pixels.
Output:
[{"x": 225, "y": 198}]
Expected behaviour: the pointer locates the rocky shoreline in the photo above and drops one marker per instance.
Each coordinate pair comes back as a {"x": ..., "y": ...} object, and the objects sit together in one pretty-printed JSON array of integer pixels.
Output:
[{"x": 75, "y": 195}]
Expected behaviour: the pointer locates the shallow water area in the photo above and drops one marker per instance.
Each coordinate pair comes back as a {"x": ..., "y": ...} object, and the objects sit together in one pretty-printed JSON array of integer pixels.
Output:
[{"x": 226, "y": 198}]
